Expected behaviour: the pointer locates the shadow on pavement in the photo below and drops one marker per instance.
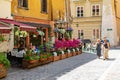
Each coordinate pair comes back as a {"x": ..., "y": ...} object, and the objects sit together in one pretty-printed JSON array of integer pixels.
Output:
[{"x": 111, "y": 59}]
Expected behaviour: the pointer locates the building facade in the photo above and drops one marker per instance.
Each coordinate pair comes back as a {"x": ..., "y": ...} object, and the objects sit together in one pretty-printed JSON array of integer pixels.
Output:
[
  {"x": 6, "y": 12},
  {"x": 117, "y": 13},
  {"x": 42, "y": 14},
  {"x": 95, "y": 19},
  {"x": 87, "y": 20}
]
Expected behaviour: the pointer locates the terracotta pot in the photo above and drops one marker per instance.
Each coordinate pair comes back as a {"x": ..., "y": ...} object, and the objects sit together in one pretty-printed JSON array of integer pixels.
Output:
[{"x": 3, "y": 71}]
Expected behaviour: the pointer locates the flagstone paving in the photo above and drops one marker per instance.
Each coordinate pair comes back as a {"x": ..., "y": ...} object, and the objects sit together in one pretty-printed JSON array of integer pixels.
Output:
[{"x": 81, "y": 67}]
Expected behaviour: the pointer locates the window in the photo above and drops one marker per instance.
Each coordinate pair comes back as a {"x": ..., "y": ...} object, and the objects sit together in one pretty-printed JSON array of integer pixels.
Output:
[
  {"x": 80, "y": 12},
  {"x": 44, "y": 6},
  {"x": 96, "y": 33},
  {"x": 77, "y": 25},
  {"x": 23, "y": 3},
  {"x": 95, "y": 10},
  {"x": 80, "y": 34}
]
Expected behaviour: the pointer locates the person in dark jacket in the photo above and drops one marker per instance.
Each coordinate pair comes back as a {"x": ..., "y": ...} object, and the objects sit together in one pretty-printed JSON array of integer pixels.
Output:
[{"x": 98, "y": 48}]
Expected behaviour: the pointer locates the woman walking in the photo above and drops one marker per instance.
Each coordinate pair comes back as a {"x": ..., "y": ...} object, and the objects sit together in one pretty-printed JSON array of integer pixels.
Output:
[
  {"x": 98, "y": 48},
  {"x": 106, "y": 46}
]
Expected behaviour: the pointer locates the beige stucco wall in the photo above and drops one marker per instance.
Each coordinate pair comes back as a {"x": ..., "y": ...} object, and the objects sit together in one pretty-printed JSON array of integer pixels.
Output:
[
  {"x": 5, "y": 9},
  {"x": 118, "y": 29},
  {"x": 5, "y": 12},
  {"x": 86, "y": 23},
  {"x": 117, "y": 3}
]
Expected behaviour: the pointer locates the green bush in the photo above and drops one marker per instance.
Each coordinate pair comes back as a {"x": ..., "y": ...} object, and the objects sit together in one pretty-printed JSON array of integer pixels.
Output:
[{"x": 4, "y": 60}]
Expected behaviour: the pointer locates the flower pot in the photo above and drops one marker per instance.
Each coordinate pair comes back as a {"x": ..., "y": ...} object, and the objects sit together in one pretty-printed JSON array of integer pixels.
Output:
[{"x": 3, "y": 71}]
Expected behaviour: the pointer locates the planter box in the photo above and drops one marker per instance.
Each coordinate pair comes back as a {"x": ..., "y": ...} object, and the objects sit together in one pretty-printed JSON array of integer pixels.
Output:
[
  {"x": 50, "y": 59},
  {"x": 33, "y": 61},
  {"x": 74, "y": 53},
  {"x": 43, "y": 61},
  {"x": 69, "y": 55},
  {"x": 56, "y": 58},
  {"x": 63, "y": 56},
  {"x": 28, "y": 64},
  {"x": 3, "y": 71}
]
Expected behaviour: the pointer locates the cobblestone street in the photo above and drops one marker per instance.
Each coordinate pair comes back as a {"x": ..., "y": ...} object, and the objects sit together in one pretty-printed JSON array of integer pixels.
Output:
[{"x": 81, "y": 67}]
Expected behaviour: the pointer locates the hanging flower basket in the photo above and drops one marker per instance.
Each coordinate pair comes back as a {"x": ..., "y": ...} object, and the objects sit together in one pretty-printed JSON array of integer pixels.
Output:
[
  {"x": 69, "y": 29},
  {"x": 62, "y": 31},
  {"x": 56, "y": 30},
  {"x": 41, "y": 33}
]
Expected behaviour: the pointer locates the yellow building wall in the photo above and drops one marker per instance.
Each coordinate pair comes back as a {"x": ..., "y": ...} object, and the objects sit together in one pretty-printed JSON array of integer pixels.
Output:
[
  {"x": 58, "y": 8},
  {"x": 33, "y": 11}
]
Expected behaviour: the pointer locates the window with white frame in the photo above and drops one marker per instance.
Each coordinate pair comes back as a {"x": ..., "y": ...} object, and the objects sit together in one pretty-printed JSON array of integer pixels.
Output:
[
  {"x": 96, "y": 10},
  {"x": 80, "y": 11},
  {"x": 23, "y": 3}
]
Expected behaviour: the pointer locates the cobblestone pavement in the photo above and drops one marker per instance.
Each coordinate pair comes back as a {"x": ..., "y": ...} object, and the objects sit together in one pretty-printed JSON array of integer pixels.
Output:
[{"x": 81, "y": 67}]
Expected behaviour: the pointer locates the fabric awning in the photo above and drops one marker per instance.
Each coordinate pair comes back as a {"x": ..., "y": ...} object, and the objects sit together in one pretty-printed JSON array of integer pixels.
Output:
[
  {"x": 36, "y": 24},
  {"x": 4, "y": 29},
  {"x": 22, "y": 26}
]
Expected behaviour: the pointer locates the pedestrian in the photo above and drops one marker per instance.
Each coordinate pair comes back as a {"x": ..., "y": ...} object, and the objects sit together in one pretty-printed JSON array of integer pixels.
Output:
[
  {"x": 84, "y": 45},
  {"x": 98, "y": 48},
  {"x": 106, "y": 47}
]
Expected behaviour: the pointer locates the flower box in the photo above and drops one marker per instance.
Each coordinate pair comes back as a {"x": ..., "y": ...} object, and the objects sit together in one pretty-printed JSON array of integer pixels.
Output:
[
  {"x": 74, "y": 53},
  {"x": 3, "y": 71},
  {"x": 69, "y": 54},
  {"x": 28, "y": 64},
  {"x": 63, "y": 56},
  {"x": 50, "y": 59},
  {"x": 33, "y": 61},
  {"x": 56, "y": 58}
]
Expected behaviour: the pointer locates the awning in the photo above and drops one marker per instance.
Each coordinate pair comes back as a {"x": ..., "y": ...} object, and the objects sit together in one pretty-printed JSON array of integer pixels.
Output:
[
  {"x": 36, "y": 24},
  {"x": 4, "y": 29},
  {"x": 22, "y": 26}
]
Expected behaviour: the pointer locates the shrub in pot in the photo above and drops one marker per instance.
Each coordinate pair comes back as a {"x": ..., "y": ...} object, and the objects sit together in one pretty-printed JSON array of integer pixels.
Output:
[{"x": 4, "y": 65}]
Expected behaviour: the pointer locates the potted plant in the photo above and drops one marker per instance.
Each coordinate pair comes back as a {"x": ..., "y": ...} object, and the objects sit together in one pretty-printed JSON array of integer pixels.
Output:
[
  {"x": 30, "y": 59},
  {"x": 73, "y": 51},
  {"x": 50, "y": 57},
  {"x": 69, "y": 53},
  {"x": 62, "y": 54},
  {"x": 43, "y": 57},
  {"x": 4, "y": 65},
  {"x": 56, "y": 56}
]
